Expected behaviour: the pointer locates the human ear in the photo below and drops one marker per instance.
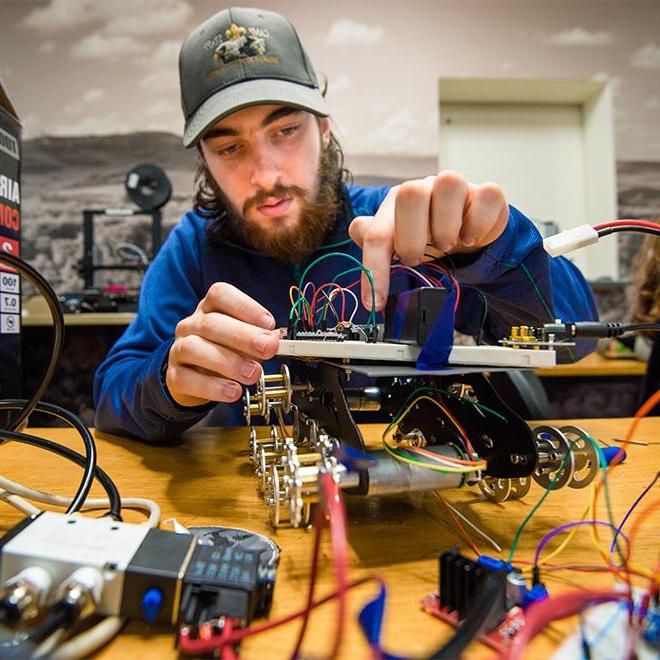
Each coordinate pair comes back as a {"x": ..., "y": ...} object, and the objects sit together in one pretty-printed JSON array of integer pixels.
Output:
[{"x": 324, "y": 128}]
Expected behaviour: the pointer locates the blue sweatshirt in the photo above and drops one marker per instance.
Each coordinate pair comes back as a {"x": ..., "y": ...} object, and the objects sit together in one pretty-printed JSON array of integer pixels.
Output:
[{"x": 521, "y": 283}]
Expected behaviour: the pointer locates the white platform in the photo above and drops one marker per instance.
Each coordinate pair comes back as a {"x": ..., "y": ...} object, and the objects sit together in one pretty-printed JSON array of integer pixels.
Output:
[{"x": 495, "y": 356}]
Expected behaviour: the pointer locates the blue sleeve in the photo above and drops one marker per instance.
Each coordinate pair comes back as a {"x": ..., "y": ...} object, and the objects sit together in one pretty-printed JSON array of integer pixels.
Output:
[
  {"x": 523, "y": 285},
  {"x": 129, "y": 392},
  {"x": 366, "y": 200}
]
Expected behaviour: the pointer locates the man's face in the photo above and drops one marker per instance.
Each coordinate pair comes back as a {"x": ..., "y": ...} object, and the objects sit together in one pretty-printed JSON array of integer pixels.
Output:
[{"x": 265, "y": 159}]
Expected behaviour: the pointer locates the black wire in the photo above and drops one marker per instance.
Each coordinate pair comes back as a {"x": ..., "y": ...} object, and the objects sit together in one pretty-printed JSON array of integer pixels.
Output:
[
  {"x": 482, "y": 324},
  {"x": 39, "y": 282},
  {"x": 448, "y": 263},
  {"x": 653, "y": 327},
  {"x": 474, "y": 621},
  {"x": 635, "y": 228},
  {"x": 90, "y": 446},
  {"x": 54, "y": 447},
  {"x": 62, "y": 616}
]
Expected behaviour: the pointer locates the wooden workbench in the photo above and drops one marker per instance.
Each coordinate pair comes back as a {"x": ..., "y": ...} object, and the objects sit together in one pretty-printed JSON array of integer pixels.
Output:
[
  {"x": 207, "y": 481},
  {"x": 596, "y": 364}
]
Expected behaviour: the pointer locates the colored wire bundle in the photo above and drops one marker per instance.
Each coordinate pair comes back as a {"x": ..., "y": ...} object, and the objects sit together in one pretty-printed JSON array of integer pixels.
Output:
[
  {"x": 615, "y": 226},
  {"x": 296, "y": 314},
  {"x": 422, "y": 457},
  {"x": 310, "y": 305}
]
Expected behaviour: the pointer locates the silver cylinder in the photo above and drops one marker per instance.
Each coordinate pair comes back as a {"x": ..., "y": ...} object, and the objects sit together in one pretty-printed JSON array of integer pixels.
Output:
[
  {"x": 390, "y": 476},
  {"x": 365, "y": 398}
]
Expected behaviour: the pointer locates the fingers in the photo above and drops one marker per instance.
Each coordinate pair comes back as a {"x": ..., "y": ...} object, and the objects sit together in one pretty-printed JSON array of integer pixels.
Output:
[
  {"x": 231, "y": 333},
  {"x": 224, "y": 341},
  {"x": 449, "y": 198},
  {"x": 485, "y": 218},
  {"x": 190, "y": 387},
  {"x": 197, "y": 352},
  {"x": 411, "y": 220},
  {"x": 225, "y": 298},
  {"x": 376, "y": 238},
  {"x": 465, "y": 217}
]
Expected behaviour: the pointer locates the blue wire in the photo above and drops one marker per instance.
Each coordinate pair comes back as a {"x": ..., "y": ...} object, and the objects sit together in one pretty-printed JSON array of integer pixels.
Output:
[{"x": 605, "y": 627}]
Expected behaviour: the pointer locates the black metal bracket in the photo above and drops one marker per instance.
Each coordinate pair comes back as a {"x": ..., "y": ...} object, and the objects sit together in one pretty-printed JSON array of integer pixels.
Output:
[
  {"x": 496, "y": 432},
  {"x": 87, "y": 267}
]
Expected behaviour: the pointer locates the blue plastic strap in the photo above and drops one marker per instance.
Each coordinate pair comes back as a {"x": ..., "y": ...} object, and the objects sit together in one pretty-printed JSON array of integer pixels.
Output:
[
  {"x": 371, "y": 617},
  {"x": 400, "y": 311},
  {"x": 438, "y": 344}
]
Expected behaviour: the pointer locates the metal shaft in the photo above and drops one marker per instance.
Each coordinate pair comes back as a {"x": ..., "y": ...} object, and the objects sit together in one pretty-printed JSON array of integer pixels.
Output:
[{"x": 390, "y": 476}]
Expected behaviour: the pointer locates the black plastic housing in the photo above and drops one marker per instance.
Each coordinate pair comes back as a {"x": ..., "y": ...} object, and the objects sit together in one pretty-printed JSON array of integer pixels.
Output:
[
  {"x": 230, "y": 582},
  {"x": 409, "y": 316},
  {"x": 461, "y": 579}
]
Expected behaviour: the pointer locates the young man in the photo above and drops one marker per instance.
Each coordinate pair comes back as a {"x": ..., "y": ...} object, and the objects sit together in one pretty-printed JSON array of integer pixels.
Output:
[{"x": 272, "y": 198}]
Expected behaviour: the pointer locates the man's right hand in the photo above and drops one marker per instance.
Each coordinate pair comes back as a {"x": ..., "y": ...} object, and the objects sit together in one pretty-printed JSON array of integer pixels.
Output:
[{"x": 219, "y": 346}]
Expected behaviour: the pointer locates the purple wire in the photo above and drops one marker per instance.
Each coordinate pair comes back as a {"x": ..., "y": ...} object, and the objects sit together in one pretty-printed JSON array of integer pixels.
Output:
[
  {"x": 631, "y": 509},
  {"x": 563, "y": 528},
  {"x": 422, "y": 278}
]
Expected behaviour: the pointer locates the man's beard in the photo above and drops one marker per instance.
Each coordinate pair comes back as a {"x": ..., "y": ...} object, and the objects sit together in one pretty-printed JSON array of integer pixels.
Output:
[{"x": 295, "y": 243}]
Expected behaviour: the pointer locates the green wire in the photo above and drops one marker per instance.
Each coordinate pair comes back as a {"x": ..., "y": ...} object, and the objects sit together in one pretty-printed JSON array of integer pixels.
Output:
[
  {"x": 436, "y": 389},
  {"x": 334, "y": 281},
  {"x": 399, "y": 453},
  {"x": 301, "y": 300},
  {"x": 516, "y": 538},
  {"x": 372, "y": 314},
  {"x": 346, "y": 241},
  {"x": 602, "y": 462}
]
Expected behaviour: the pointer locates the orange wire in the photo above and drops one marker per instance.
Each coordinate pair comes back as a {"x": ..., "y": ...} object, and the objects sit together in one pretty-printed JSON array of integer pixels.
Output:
[
  {"x": 430, "y": 454},
  {"x": 643, "y": 514},
  {"x": 468, "y": 444},
  {"x": 644, "y": 410},
  {"x": 466, "y": 536}
]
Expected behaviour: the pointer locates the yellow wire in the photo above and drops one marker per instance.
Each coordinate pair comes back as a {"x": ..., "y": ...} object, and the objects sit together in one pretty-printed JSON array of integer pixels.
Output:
[
  {"x": 605, "y": 553},
  {"x": 388, "y": 449},
  {"x": 291, "y": 290},
  {"x": 482, "y": 465},
  {"x": 560, "y": 547}
]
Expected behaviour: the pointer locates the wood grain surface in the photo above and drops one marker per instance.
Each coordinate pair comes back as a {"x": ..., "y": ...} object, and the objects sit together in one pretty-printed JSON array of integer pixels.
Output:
[
  {"x": 206, "y": 480},
  {"x": 595, "y": 364}
]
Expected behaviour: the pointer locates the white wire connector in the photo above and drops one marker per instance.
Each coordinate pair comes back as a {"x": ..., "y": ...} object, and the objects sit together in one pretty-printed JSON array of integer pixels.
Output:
[{"x": 569, "y": 240}]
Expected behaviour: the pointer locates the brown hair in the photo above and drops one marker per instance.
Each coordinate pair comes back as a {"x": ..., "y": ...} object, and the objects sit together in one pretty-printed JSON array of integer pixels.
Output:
[{"x": 646, "y": 306}]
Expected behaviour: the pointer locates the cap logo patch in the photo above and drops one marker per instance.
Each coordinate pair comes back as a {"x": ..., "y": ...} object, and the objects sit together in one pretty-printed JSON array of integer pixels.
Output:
[{"x": 240, "y": 44}]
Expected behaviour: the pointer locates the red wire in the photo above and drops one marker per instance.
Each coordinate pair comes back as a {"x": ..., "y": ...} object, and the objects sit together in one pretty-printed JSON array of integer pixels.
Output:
[
  {"x": 338, "y": 541},
  {"x": 633, "y": 223},
  {"x": 442, "y": 269},
  {"x": 330, "y": 512},
  {"x": 227, "y": 652},
  {"x": 540, "y": 614},
  {"x": 196, "y": 646}
]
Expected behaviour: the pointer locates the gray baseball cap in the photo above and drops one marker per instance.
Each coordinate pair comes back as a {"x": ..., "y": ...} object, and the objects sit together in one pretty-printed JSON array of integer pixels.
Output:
[{"x": 241, "y": 57}]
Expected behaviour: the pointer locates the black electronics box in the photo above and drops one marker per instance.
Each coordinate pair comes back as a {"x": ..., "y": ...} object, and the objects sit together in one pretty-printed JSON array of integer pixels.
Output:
[
  {"x": 410, "y": 315},
  {"x": 10, "y": 241}
]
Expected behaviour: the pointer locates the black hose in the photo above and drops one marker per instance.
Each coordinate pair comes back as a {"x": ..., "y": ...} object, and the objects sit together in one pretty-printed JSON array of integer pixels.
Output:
[
  {"x": 90, "y": 446},
  {"x": 54, "y": 447},
  {"x": 39, "y": 282}
]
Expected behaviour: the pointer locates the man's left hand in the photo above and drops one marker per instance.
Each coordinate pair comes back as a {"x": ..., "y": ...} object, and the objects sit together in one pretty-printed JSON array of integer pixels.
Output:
[{"x": 445, "y": 212}]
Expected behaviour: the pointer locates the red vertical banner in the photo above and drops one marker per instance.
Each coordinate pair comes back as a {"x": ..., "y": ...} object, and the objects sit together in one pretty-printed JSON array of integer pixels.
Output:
[{"x": 10, "y": 241}]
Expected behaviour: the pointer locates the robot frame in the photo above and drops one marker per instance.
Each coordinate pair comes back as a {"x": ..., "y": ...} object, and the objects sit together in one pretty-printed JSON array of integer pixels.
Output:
[{"x": 453, "y": 414}]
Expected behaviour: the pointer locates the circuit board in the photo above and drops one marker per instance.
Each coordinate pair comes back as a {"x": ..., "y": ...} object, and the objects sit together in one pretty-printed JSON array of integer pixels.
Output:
[
  {"x": 384, "y": 351},
  {"x": 498, "y": 639}
]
